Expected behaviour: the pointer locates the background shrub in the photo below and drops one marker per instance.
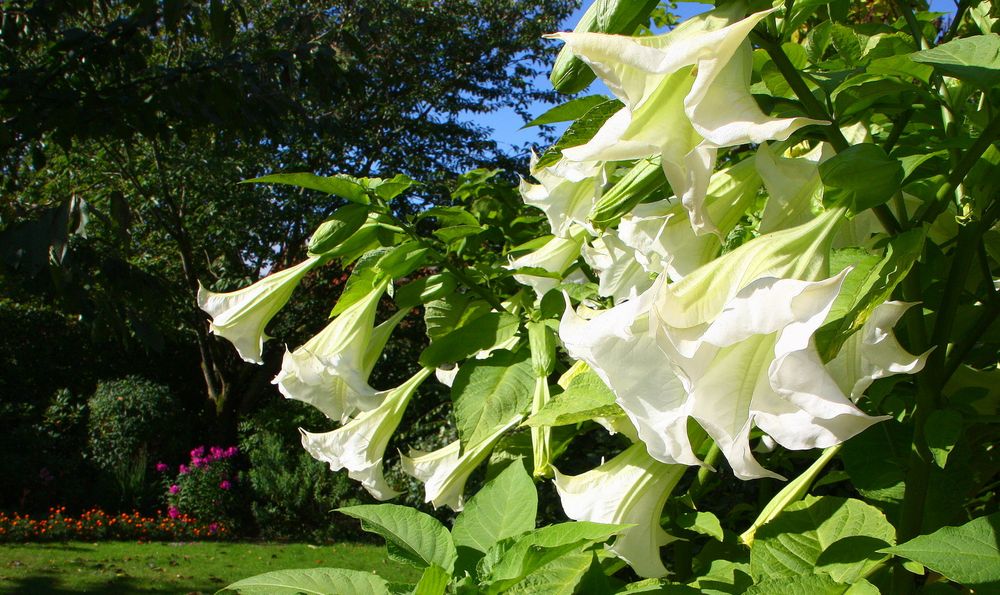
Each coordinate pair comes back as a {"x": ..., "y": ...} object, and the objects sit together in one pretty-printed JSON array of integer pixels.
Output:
[
  {"x": 132, "y": 423},
  {"x": 294, "y": 495}
]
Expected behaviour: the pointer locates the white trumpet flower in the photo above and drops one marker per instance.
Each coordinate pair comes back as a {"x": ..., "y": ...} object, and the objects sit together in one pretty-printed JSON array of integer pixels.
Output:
[
  {"x": 630, "y": 489},
  {"x": 873, "y": 352},
  {"x": 730, "y": 345},
  {"x": 240, "y": 316},
  {"x": 555, "y": 257},
  {"x": 686, "y": 94},
  {"x": 445, "y": 470},
  {"x": 331, "y": 370},
  {"x": 359, "y": 445},
  {"x": 566, "y": 192}
]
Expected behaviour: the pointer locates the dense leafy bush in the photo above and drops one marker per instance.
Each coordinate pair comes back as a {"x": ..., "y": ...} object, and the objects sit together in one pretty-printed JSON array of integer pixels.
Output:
[
  {"x": 126, "y": 432},
  {"x": 293, "y": 494}
]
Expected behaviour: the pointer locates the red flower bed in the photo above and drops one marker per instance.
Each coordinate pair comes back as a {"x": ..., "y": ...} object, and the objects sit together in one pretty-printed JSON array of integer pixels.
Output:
[{"x": 95, "y": 524}]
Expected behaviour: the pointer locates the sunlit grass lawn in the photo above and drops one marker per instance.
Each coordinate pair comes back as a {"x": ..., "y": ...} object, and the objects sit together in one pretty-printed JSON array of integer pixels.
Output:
[{"x": 125, "y": 567}]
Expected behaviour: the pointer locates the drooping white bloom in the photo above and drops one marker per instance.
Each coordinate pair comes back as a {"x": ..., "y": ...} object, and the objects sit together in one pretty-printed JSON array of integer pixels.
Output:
[
  {"x": 331, "y": 370},
  {"x": 631, "y": 489},
  {"x": 566, "y": 192},
  {"x": 730, "y": 345},
  {"x": 555, "y": 257},
  {"x": 662, "y": 235},
  {"x": 240, "y": 316},
  {"x": 445, "y": 470},
  {"x": 359, "y": 445},
  {"x": 873, "y": 352},
  {"x": 619, "y": 271},
  {"x": 686, "y": 93},
  {"x": 794, "y": 188}
]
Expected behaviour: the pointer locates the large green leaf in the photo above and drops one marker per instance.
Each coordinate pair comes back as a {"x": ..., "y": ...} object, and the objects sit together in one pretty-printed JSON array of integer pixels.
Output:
[
  {"x": 410, "y": 535},
  {"x": 342, "y": 224},
  {"x": 968, "y": 554},
  {"x": 975, "y": 59},
  {"x": 451, "y": 311},
  {"x": 861, "y": 177},
  {"x": 504, "y": 507},
  {"x": 836, "y": 536},
  {"x": 425, "y": 289},
  {"x": 339, "y": 185},
  {"x": 510, "y": 560},
  {"x": 489, "y": 392},
  {"x": 585, "y": 398},
  {"x": 484, "y": 332},
  {"x": 312, "y": 581},
  {"x": 561, "y": 576},
  {"x": 817, "y": 584},
  {"x": 434, "y": 581}
]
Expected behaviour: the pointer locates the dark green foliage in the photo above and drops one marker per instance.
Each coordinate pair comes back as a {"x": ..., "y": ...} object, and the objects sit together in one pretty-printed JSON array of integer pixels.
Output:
[
  {"x": 292, "y": 494},
  {"x": 126, "y": 432}
]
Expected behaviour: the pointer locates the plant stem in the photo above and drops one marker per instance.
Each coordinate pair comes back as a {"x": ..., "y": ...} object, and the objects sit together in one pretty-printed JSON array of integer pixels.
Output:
[
  {"x": 451, "y": 267},
  {"x": 965, "y": 164},
  {"x": 815, "y": 109}
]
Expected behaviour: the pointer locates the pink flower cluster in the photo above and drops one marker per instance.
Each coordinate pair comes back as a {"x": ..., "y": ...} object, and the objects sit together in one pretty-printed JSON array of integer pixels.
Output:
[{"x": 215, "y": 453}]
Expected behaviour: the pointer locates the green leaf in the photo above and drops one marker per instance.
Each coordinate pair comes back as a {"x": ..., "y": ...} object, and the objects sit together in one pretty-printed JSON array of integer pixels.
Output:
[
  {"x": 362, "y": 281},
  {"x": 489, "y": 392},
  {"x": 391, "y": 188},
  {"x": 410, "y": 535},
  {"x": 342, "y": 224},
  {"x": 457, "y": 232},
  {"x": 879, "y": 479},
  {"x": 312, "y": 581},
  {"x": 340, "y": 185},
  {"x": 504, "y": 507},
  {"x": 450, "y": 216},
  {"x": 974, "y": 59},
  {"x": 401, "y": 260},
  {"x": 444, "y": 315},
  {"x": 944, "y": 428},
  {"x": 433, "y": 581},
  {"x": 585, "y": 398},
  {"x": 704, "y": 523},
  {"x": 426, "y": 289},
  {"x": 900, "y": 66},
  {"x": 481, "y": 333},
  {"x": 509, "y": 561},
  {"x": 571, "y": 110},
  {"x": 866, "y": 288},
  {"x": 580, "y": 131},
  {"x": 561, "y": 576},
  {"x": 864, "y": 176},
  {"x": 849, "y": 43},
  {"x": 837, "y": 536},
  {"x": 967, "y": 554},
  {"x": 817, "y": 584}
]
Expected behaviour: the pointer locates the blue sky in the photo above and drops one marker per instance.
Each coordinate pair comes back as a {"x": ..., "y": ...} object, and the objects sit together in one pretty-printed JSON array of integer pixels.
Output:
[{"x": 506, "y": 124}]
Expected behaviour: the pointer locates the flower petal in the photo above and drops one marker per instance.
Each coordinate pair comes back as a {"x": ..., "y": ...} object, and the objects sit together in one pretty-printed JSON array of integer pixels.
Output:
[
  {"x": 240, "y": 316},
  {"x": 359, "y": 445}
]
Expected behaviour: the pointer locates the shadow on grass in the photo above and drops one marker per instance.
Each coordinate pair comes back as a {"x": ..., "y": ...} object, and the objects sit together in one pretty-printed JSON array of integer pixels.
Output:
[{"x": 45, "y": 584}]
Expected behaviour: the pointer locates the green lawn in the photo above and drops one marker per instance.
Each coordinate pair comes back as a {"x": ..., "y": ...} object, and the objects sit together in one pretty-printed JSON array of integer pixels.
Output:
[{"x": 125, "y": 567}]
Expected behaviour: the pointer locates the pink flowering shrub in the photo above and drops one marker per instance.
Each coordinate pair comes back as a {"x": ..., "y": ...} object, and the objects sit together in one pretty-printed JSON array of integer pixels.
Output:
[{"x": 207, "y": 487}]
